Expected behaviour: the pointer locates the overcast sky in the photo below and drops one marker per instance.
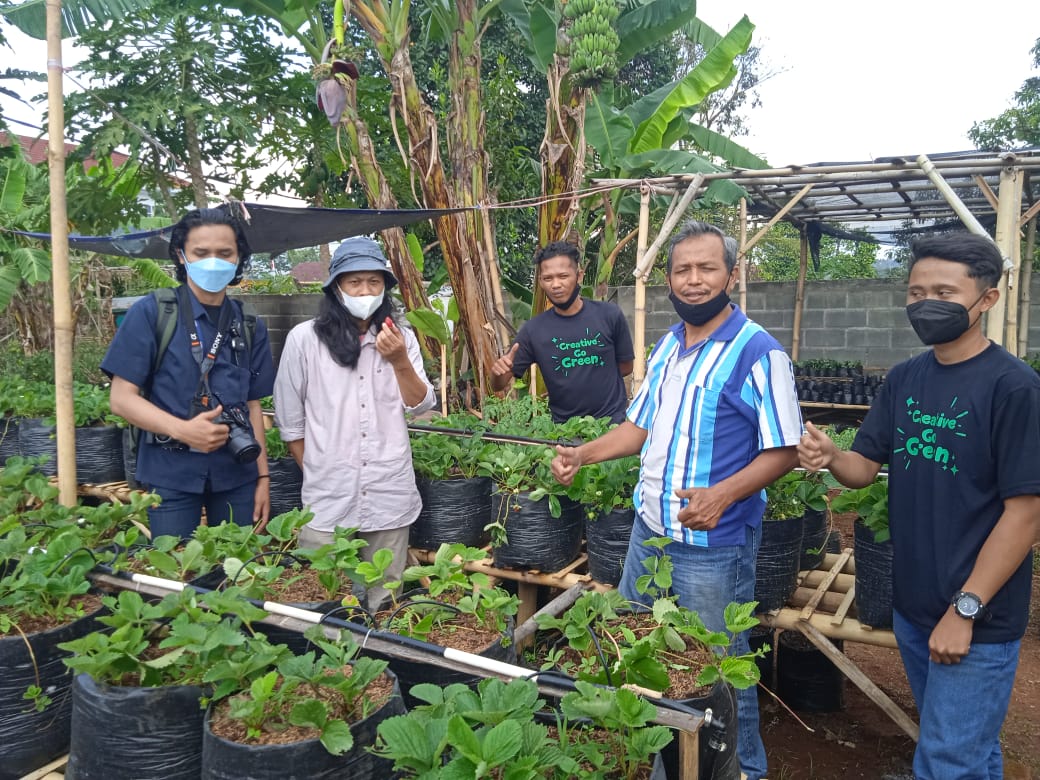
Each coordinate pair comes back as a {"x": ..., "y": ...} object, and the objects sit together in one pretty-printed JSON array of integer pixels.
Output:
[
  {"x": 856, "y": 80},
  {"x": 885, "y": 78}
]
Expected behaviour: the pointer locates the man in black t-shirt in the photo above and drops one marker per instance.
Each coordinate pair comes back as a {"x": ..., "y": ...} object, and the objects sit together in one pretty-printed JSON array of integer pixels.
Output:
[
  {"x": 960, "y": 427},
  {"x": 582, "y": 348}
]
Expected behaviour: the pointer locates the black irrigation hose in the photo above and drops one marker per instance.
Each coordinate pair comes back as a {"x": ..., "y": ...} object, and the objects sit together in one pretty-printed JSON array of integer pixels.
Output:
[{"x": 499, "y": 438}]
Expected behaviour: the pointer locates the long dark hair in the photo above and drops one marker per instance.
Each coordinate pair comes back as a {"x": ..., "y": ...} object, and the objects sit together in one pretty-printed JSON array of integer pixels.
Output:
[
  {"x": 221, "y": 215},
  {"x": 338, "y": 330}
]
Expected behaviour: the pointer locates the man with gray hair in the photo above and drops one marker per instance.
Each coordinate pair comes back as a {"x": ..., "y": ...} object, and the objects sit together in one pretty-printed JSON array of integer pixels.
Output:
[{"x": 715, "y": 421}]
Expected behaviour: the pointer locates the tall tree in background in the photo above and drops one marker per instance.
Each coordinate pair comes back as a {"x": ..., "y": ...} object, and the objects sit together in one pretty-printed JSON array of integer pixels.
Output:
[
  {"x": 200, "y": 83},
  {"x": 1018, "y": 125}
]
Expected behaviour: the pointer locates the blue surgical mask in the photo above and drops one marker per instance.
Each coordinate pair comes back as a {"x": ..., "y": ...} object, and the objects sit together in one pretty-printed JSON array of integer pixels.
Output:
[{"x": 212, "y": 274}]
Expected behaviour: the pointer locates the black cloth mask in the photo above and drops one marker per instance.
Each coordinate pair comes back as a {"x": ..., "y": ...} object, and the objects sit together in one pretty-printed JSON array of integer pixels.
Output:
[
  {"x": 699, "y": 313},
  {"x": 939, "y": 322},
  {"x": 570, "y": 301}
]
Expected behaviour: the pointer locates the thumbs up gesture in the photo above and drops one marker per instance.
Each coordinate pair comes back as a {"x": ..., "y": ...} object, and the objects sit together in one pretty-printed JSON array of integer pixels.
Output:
[
  {"x": 816, "y": 450},
  {"x": 504, "y": 365}
]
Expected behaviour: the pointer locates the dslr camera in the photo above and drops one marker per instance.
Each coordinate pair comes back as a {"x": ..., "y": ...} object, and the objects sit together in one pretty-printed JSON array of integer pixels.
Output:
[{"x": 241, "y": 443}]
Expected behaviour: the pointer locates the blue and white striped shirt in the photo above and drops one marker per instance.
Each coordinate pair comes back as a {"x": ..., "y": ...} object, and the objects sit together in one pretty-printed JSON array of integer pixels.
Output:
[{"x": 709, "y": 411}]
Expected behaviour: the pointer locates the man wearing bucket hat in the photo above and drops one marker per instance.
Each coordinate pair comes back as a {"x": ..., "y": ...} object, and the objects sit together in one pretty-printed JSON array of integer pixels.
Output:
[{"x": 345, "y": 381}]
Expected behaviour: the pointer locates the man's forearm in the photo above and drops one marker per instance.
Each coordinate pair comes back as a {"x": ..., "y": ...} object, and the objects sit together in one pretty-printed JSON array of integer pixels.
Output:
[
  {"x": 626, "y": 439},
  {"x": 853, "y": 470}
]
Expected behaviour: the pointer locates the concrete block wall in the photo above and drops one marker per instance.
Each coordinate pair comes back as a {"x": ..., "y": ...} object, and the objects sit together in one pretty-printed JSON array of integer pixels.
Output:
[{"x": 852, "y": 319}]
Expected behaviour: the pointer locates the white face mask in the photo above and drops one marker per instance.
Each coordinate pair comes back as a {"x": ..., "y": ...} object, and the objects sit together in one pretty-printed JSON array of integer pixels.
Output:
[{"x": 361, "y": 306}]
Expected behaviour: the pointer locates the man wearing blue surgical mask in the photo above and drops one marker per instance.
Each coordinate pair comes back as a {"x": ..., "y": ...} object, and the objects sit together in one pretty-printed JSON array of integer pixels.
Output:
[
  {"x": 345, "y": 381},
  {"x": 197, "y": 403},
  {"x": 959, "y": 426}
]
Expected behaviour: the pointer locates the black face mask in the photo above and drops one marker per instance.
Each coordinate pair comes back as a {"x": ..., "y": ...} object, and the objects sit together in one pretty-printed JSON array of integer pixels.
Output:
[
  {"x": 939, "y": 322},
  {"x": 570, "y": 301},
  {"x": 697, "y": 314}
]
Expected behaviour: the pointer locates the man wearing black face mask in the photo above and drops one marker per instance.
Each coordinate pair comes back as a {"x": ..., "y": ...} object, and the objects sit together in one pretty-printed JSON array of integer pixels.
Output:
[
  {"x": 715, "y": 421},
  {"x": 960, "y": 427},
  {"x": 582, "y": 347}
]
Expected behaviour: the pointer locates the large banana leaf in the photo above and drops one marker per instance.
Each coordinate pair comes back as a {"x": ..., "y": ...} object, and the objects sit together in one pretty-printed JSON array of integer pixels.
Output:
[
  {"x": 12, "y": 191},
  {"x": 537, "y": 23},
  {"x": 717, "y": 145},
  {"x": 33, "y": 264},
  {"x": 77, "y": 16},
  {"x": 715, "y": 71},
  {"x": 152, "y": 273},
  {"x": 9, "y": 281},
  {"x": 646, "y": 25}
]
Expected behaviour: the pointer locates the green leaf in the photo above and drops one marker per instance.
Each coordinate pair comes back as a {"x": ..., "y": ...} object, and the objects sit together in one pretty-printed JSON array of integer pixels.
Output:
[
  {"x": 537, "y": 26},
  {"x": 503, "y": 742},
  {"x": 10, "y": 278},
  {"x": 33, "y": 264},
  {"x": 715, "y": 71},
  {"x": 646, "y": 25},
  {"x": 77, "y": 16},
  {"x": 13, "y": 190},
  {"x": 463, "y": 739},
  {"x": 310, "y": 712},
  {"x": 336, "y": 737},
  {"x": 415, "y": 250},
  {"x": 718, "y": 145},
  {"x": 430, "y": 323}
]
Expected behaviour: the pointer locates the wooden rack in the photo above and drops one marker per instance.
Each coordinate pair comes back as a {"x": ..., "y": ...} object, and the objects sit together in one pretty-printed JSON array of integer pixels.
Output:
[{"x": 820, "y": 609}]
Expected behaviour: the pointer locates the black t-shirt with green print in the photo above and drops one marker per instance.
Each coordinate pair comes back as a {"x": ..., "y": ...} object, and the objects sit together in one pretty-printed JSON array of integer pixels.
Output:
[
  {"x": 578, "y": 358},
  {"x": 959, "y": 439}
]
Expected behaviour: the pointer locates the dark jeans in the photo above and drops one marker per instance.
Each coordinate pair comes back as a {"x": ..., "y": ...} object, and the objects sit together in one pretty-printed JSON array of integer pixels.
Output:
[{"x": 179, "y": 513}]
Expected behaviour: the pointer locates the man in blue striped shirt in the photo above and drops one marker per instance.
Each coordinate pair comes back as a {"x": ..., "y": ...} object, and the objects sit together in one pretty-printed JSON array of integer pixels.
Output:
[{"x": 715, "y": 421}]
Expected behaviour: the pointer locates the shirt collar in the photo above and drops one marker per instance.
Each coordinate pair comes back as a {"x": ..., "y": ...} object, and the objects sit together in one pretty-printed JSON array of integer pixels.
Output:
[{"x": 727, "y": 331}]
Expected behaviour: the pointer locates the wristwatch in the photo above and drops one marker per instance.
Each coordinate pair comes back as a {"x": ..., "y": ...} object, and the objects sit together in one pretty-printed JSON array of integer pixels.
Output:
[{"x": 970, "y": 607}]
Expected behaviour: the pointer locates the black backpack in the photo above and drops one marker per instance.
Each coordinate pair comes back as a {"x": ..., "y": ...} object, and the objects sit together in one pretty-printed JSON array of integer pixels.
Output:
[{"x": 165, "y": 327}]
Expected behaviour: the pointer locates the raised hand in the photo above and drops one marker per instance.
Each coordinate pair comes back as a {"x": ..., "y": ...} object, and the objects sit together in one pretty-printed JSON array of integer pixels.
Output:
[
  {"x": 504, "y": 365},
  {"x": 203, "y": 433},
  {"x": 816, "y": 450}
]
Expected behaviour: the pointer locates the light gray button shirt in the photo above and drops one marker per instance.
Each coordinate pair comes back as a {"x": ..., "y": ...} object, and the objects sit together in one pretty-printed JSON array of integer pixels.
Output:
[{"x": 357, "y": 461}]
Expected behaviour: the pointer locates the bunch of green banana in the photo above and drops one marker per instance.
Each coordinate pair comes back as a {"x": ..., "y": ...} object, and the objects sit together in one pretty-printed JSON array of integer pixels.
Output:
[{"x": 593, "y": 40}]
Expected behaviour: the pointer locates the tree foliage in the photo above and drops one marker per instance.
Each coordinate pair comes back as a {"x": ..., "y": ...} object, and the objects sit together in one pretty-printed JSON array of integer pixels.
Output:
[{"x": 1018, "y": 125}]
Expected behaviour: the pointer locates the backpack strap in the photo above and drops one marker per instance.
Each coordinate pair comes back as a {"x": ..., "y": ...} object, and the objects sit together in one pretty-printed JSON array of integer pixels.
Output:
[{"x": 165, "y": 322}]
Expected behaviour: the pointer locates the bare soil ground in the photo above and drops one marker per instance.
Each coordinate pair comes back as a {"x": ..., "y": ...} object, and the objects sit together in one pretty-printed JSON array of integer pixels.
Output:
[{"x": 862, "y": 742}]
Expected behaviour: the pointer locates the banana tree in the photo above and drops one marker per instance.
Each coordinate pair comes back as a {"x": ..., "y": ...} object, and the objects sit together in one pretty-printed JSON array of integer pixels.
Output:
[{"x": 647, "y": 137}]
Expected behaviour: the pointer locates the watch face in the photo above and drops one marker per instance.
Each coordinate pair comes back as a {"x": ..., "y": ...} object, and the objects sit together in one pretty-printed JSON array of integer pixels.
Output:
[{"x": 967, "y": 606}]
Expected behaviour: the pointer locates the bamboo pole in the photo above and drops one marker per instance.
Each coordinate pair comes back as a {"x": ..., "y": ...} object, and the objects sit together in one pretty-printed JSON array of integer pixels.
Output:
[
  {"x": 799, "y": 294},
  {"x": 64, "y": 327},
  {"x": 950, "y": 196},
  {"x": 1024, "y": 294},
  {"x": 639, "y": 312},
  {"x": 1015, "y": 247},
  {"x": 742, "y": 254},
  {"x": 776, "y": 217},
  {"x": 1007, "y": 231},
  {"x": 444, "y": 380},
  {"x": 675, "y": 212}
]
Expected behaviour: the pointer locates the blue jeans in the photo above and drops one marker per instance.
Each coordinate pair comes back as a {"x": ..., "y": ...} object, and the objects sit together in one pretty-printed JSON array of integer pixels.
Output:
[
  {"x": 179, "y": 513},
  {"x": 706, "y": 579},
  {"x": 962, "y": 706}
]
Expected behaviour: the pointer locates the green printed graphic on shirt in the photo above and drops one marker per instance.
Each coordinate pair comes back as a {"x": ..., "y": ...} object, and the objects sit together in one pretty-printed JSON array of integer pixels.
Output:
[
  {"x": 582, "y": 352},
  {"x": 932, "y": 436}
]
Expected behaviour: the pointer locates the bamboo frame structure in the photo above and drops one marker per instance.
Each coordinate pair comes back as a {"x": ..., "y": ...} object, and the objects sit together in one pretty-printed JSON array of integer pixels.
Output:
[{"x": 942, "y": 187}]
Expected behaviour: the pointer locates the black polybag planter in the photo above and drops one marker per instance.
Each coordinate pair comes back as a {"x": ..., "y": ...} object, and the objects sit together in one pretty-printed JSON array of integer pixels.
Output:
[
  {"x": 535, "y": 539},
  {"x": 807, "y": 680},
  {"x": 715, "y": 763},
  {"x": 606, "y": 542},
  {"x": 285, "y": 486},
  {"x": 99, "y": 450},
  {"x": 814, "y": 537},
  {"x": 30, "y": 739},
  {"x": 410, "y": 673},
  {"x": 155, "y": 733},
  {"x": 9, "y": 438},
  {"x": 873, "y": 578},
  {"x": 308, "y": 760},
  {"x": 454, "y": 511},
  {"x": 776, "y": 567}
]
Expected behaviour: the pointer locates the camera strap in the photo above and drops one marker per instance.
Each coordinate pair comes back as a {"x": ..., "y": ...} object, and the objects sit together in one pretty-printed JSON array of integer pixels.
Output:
[{"x": 205, "y": 360}]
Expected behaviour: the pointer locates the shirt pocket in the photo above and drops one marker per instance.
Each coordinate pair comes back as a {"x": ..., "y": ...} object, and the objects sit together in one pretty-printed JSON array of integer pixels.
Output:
[
  {"x": 387, "y": 393},
  {"x": 700, "y": 408},
  {"x": 231, "y": 383}
]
